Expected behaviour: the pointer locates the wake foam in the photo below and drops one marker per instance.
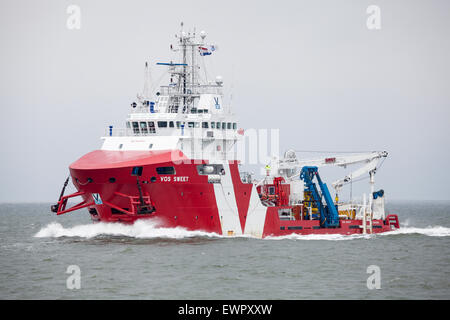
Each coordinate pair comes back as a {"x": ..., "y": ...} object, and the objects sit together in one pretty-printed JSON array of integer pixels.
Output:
[
  {"x": 145, "y": 229},
  {"x": 140, "y": 229},
  {"x": 332, "y": 237},
  {"x": 431, "y": 231}
]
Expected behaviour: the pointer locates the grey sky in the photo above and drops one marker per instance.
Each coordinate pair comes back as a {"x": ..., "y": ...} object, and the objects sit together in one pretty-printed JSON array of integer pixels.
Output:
[{"x": 310, "y": 68}]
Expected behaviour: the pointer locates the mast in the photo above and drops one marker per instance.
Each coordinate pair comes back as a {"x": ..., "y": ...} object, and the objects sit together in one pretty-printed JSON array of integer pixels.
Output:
[
  {"x": 145, "y": 91},
  {"x": 183, "y": 44},
  {"x": 193, "y": 62},
  {"x": 187, "y": 90}
]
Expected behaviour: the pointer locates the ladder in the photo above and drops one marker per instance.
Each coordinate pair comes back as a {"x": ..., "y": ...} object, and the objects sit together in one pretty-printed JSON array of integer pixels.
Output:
[{"x": 367, "y": 221}]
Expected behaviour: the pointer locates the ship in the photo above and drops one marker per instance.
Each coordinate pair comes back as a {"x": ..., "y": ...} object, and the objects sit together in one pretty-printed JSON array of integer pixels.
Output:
[{"x": 175, "y": 163}]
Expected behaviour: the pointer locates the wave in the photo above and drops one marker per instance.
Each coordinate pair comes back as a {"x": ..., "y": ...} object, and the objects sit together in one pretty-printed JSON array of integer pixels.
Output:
[
  {"x": 140, "y": 229},
  {"x": 144, "y": 229},
  {"x": 332, "y": 237},
  {"x": 431, "y": 231}
]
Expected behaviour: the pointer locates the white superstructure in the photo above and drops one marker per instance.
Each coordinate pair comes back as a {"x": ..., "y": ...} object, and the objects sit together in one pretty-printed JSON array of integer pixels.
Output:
[{"x": 189, "y": 114}]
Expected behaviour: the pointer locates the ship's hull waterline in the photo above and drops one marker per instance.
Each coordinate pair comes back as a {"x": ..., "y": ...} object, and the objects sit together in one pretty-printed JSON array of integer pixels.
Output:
[{"x": 112, "y": 192}]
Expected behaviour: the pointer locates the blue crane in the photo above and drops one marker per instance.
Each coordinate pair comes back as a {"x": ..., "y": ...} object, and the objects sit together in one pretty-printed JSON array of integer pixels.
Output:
[{"x": 329, "y": 217}]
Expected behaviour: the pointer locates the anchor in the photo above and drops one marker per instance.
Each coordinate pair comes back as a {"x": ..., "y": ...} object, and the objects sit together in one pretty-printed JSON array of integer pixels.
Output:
[
  {"x": 142, "y": 208},
  {"x": 54, "y": 208}
]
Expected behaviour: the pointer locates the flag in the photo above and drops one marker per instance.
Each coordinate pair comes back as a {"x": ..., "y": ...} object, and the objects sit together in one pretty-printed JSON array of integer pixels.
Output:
[{"x": 204, "y": 51}]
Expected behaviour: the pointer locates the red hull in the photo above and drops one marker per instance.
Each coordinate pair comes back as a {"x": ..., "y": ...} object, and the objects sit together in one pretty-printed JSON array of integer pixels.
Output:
[{"x": 184, "y": 199}]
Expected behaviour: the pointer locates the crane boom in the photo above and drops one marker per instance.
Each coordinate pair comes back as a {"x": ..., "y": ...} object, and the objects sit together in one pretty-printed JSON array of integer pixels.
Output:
[
  {"x": 369, "y": 167},
  {"x": 290, "y": 167},
  {"x": 292, "y": 163}
]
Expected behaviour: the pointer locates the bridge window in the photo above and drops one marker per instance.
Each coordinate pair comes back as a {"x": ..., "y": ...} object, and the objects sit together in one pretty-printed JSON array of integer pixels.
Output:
[
  {"x": 224, "y": 125},
  {"x": 144, "y": 127},
  {"x": 162, "y": 124},
  {"x": 165, "y": 170},
  {"x": 213, "y": 125},
  {"x": 151, "y": 127},
  {"x": 171, "y": 124},
  {"x": 128, "y": 125},
  {"x": 234, "y": 125},
  {"x": 193, "y": 125},
  {"x": 229, "y": 125},
  {"x": 205, "y": 125},
  {"x": 218, "y": 125},
  {"x": 136, "y": 128}
]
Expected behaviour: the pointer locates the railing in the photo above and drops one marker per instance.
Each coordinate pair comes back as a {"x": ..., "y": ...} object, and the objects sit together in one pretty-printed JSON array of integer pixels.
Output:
[
  {"x": 141, "y": 109},
  {"x": 120, "y": 132},
  {"x": 191, "y": 90},
  {"x": 246, "y": 177},
  {"x": 186, "y": 132}
]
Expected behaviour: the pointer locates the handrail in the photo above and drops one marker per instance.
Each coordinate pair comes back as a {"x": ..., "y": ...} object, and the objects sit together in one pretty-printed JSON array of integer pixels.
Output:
[
  {"x": 186, "y": 132},
  {"x": 191, "y": 90},
  {"x": 63, "y": 202}
]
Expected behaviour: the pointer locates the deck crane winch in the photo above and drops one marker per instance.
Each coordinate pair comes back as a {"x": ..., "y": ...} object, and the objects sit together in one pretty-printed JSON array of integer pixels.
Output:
[
  {"x": 290, "y": 167},
  {"x": 329, "y": 217}
]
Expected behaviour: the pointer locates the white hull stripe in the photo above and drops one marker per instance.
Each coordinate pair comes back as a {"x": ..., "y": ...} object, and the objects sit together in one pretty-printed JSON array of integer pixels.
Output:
[
  {"x": 256, "y": 216},
  {"x": 226, "y": 204}
]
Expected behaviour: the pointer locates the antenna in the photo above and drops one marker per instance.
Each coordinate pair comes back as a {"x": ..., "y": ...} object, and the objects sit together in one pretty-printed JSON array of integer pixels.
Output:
[
  {"x": 193, "y": 61},
  {"x": 231, "y": 86},
  {"x": 186, "y": 80},
  {"x": 145, "y": 91}
]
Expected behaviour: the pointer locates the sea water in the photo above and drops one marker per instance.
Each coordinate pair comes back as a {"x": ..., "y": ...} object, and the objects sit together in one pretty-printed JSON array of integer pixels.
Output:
[{"x": 40, "y": 254}]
